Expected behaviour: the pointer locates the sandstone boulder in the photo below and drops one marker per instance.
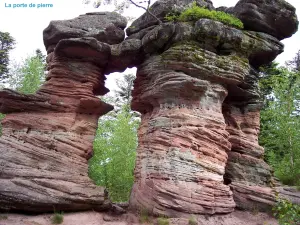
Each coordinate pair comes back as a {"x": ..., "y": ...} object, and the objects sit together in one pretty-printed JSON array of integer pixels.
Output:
[
  {"x": 275, "y": 17},
  {"x": 103, "y": 26}
]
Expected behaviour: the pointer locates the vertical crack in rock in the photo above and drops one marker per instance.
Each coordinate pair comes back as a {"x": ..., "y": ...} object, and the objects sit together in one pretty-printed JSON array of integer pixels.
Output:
[{"x": 246, "y": 172}]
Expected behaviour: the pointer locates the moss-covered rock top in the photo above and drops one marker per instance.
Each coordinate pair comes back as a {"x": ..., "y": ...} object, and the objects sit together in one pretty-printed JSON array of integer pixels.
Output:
[{"x": 195, "y": 13}]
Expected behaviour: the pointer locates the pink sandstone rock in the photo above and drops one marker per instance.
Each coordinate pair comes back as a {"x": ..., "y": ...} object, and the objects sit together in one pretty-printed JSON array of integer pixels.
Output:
[
  {"x": 196, "y": 89},
  {"x": 47, "y": 137},
  {"x": 198, "y": 95}
]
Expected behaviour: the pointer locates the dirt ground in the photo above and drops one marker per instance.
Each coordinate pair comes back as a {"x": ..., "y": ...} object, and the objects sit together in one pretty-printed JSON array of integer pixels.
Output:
[{"x": 96, "y": 218}]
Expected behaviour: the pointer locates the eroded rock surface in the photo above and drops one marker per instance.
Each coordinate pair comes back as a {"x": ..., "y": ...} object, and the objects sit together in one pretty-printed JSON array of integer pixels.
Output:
[
  {"x": 197, "y": 91},
  {"x": 274, "y": 17},
  {"x": 47, "y": 137}
]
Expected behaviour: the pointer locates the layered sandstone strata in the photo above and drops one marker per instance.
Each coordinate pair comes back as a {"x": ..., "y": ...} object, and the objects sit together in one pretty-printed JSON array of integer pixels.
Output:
[
  {"x": 189, "y": 133},
  {"x": 196, "y": 89},
  {"x": 47, "y": 137}
]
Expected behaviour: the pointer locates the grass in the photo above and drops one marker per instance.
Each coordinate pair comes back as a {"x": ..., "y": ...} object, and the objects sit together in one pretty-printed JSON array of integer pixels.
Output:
[
  {"x": 192, "y": 221},
  {"x": 3, "y": 217},
  {"x": 57, "y": 218},
  {"x": 195, "y": 13},
  {"x": 162, "y": 221}
]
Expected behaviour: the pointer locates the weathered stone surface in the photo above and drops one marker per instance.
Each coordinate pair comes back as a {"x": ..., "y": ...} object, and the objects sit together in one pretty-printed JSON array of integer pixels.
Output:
[
  {"x": 275, "y": 17},
  {"x": 126, "y": 54},
  {"x": 248, "y": 175},
  {"x": 182, "y": 139},
  {"x": 47, "y": 139},
  {"x": 157, "y": 38},
  {"x": 104, "y": 26},
  {"x": 258, "y": 47},
  {"x": 188, "y": 71},
  {"x": 290, "y": 193},
  {"x": 253, "y": 197},
  {"x": 197, "y": 91}
]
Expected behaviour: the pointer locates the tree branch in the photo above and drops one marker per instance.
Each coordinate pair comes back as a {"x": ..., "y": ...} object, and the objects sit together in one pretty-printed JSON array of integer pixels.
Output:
[{"x": 147, "y": 10}]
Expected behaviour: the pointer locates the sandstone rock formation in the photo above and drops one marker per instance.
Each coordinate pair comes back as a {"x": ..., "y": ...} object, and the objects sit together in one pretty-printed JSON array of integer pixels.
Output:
[
  {"x": 47, "y": 137},
  {"x": 197, "y": 90},
  {"x": 274, "y": 17}
]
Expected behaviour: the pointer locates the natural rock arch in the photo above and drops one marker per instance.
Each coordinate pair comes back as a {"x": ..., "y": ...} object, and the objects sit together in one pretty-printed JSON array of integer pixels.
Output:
[{"x": 200, "y": 112}]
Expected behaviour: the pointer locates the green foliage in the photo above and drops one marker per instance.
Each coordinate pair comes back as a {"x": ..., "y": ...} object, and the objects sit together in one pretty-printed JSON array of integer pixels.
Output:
[
  {"x": 57, "y": 218},
  {"x": 28, "y": 76},
  {"x": 114, "y": 154},
  {"x": 1, "y": 118},
  {"x": 280, "y": 123},
  {"x": 192, "y": 221},
  {"x": 162, "y": 221},
  {"x": 7, "y": 43},
  {"x": 144, "y": 216},
  {"x": 286, "y": 212},
  {"x": 33, "y": 75},
  {"x": 195, "y": 13},
  {"x": 115, "y": 144}
]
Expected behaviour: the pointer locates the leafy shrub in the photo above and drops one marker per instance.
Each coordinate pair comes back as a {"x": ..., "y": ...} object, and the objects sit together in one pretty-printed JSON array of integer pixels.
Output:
[
  {"x": 286, "y": 212},
  {"x": 195, "y": 13},
  {"x": 57, "y": 218}
]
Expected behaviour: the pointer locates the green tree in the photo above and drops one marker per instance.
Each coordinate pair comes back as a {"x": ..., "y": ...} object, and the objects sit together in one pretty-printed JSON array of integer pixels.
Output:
[
  {"x": 114, "y": 155},
  {"x": 280, "y": 123},
  {"x": 115, "y": 144},
  {"x": 28, "y": 76},
  {"x": 7, "y": 43}
]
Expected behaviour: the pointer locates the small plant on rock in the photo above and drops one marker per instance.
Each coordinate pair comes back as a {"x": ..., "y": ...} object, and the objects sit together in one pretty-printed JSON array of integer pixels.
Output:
[
  {"x": 195, "y": 13},
  {"x": 192, "y": 221},
  {"x": 162, "y": 221},
  {"x": 57, "y": 218}
]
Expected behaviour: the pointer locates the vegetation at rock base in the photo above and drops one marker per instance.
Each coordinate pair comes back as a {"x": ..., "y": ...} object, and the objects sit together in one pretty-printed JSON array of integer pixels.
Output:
[
  {"x": 144, "y": 216},
  {"x": 115, "y": 145},
  {"x": 286, "y": 212},
  {"x": 280, "y": 121},
  {"x": 195, "y": 13},
  {"x": 57, "y": 218},
  {"x": 162, "y": 221},
  {"x": 192, "y": 221}
]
